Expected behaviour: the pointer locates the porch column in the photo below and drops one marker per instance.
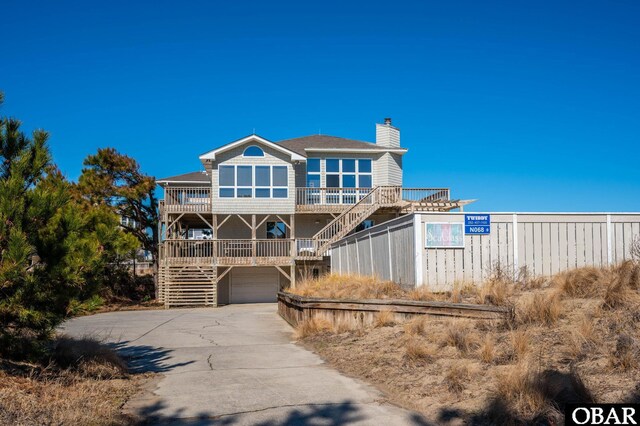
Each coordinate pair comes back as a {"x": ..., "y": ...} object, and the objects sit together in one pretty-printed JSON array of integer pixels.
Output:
[{"x": 253, "y": 238}]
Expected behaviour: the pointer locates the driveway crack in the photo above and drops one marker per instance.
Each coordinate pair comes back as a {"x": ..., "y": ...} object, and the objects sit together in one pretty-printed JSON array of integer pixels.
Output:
[{"x": 156, "y": 327}]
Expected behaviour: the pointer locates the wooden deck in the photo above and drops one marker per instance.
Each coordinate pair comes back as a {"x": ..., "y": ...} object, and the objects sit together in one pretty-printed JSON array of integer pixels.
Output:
[
  {"x": 188, "y": 267},
  {"x": 316, "y": 200},
  {"x": 240, "y": 252}
]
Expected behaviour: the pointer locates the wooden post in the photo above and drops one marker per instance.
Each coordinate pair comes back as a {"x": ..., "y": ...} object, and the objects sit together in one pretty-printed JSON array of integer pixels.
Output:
[
  {"x": 292, "y": 235},
  {"x": 214, "y": 238},
  {"x": 253, "y": 238},
  {"x": 293, "y": 272}
]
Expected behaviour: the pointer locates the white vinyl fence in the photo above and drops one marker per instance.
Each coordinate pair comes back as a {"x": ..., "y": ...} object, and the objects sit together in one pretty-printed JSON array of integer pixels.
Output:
[
  {"x": 546, "y": 243},
  {"x": 386, "y": 251}
]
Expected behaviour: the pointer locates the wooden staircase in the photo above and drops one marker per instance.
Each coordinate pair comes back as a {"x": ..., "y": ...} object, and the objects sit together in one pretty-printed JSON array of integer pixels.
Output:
[
  {"x": 381, "y": 196},
  {"x": 187, "y": 285}
]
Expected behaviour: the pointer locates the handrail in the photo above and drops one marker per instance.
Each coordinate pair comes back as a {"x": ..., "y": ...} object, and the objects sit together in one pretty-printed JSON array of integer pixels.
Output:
[
  {"x": 425, "y": 195},
  {"x": 227, "y": 251},
  {"x": 187, "y": 199},
  {"x": 351, "y": 217},
  {"x": 312, "y": 196}
]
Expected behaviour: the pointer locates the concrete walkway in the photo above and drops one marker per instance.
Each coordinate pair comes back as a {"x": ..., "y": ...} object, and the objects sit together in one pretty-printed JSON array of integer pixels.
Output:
[{"x": 235, "y": 365}]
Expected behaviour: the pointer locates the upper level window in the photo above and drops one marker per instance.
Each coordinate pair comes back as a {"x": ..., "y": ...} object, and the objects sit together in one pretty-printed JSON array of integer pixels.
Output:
[
  {"x": 227, "y": 181},
  {"x": 313, "y": 172},
  {"x": 349, "y": 173},
  {"x": 253, "y": 151},
  {"x": 253, "y": 181}
]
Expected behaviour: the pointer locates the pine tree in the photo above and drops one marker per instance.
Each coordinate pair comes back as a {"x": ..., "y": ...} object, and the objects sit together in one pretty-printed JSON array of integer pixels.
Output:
[
  {"x": 53, "y": 250},
  {"x": 114, "y": 179}
]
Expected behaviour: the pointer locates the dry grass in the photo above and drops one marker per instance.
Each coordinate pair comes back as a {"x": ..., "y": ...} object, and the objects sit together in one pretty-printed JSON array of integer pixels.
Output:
[
  {"x": 425, "y": 294},
  {"x": 581, "y": 282},
  {"x": 581, "y": 336},
  {"x": 461, "y": 335},
  {"x": 335, "y": 286},
  {"x": 463, "y": 291},
  {"x": 68, "y": 399},
  {"x": 457, "y": 376},
  {"x": 415, "y": 350},
  {"x": 487, "y": 349},
  {"x": 623, "y": 287},
  {"x": 313, "y": 326},
  {"x": 526, "y": 395},
  {"x": 516, "y": 388},
  {"x": 89, "y": 357},
  {"x": 85, "y": 383},
  {"x": 495, "y": 291},
  {"x": 544, "y": 307},
  {"x": 415, "y": 326},
  {"x": 585, "y": 320},
  {"x": 520, "y": 343},
  {"x": 384, "y": 318},
  {"x": 626, "y": 354}
]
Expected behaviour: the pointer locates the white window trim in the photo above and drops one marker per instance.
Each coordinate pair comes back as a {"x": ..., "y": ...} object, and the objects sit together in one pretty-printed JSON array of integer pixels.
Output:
[
  {"x": 318, "y": 173},
  {"x": 253, "y": 186},
  {"x": 253, "y": 156}
]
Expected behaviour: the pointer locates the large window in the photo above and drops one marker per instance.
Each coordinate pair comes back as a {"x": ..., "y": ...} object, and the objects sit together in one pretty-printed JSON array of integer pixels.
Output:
[
  {"x": 253, "y": 181},
  {"x": 313, "y": 173},
  {"x": 349, "y": 173},
  {"x": 244, "y": 183}
]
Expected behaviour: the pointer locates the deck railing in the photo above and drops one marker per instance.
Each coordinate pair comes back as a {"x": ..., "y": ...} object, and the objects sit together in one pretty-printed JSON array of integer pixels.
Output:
[
  {"x": 337, "y": 199},
  {"x": 187, "y": 252},
  {"x": 425, "y": 194},
  {"x": 314, "y": 199},
  {"x": 228, "y": 252},
  {"x": 308, "y": 248},
  {"x": 198, "y": 199},
  {"x": 187, "y": 199}
]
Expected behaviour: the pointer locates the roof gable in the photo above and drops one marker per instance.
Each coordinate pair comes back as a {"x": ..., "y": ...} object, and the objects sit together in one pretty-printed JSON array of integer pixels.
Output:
[{"x": 255, "y": 139}]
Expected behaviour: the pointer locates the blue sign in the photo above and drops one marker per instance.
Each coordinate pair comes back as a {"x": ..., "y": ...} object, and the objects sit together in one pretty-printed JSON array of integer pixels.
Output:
[{"x": 477, "y": 224}]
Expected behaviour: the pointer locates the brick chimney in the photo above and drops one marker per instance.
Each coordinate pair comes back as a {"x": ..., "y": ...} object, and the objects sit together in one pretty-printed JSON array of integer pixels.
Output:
[{"x": 387, "y": 135}]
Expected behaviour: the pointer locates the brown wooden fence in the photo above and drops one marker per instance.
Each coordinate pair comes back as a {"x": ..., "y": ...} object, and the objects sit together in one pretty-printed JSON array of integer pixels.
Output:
[{"x": 295, "y": 309}]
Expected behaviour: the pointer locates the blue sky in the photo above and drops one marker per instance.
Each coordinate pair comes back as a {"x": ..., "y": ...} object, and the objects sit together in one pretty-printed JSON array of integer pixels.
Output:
[{"x": 527, "y": 106}]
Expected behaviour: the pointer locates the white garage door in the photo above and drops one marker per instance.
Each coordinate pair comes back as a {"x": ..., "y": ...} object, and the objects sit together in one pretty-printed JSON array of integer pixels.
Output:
[{"x": 254, "y": 285}]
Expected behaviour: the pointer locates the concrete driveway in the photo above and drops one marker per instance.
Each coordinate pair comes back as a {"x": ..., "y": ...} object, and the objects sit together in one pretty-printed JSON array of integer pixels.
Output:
[{"x": 235, "y": 365}]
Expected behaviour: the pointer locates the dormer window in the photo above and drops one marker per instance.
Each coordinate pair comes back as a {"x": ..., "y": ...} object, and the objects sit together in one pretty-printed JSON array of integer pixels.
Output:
[{"x": 253, "y": 151}]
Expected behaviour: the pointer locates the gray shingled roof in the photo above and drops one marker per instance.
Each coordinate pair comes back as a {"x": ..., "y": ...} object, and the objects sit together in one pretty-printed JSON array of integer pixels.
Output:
[
  {"x": 195, "y": 177},
  {"x": 298, "y": 145}
]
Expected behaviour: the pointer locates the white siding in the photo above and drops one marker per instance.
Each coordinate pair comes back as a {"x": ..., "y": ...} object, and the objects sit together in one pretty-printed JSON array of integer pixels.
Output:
[
  {"x": 387, "y": 136},
  {"x": 388, "y": 169}
]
